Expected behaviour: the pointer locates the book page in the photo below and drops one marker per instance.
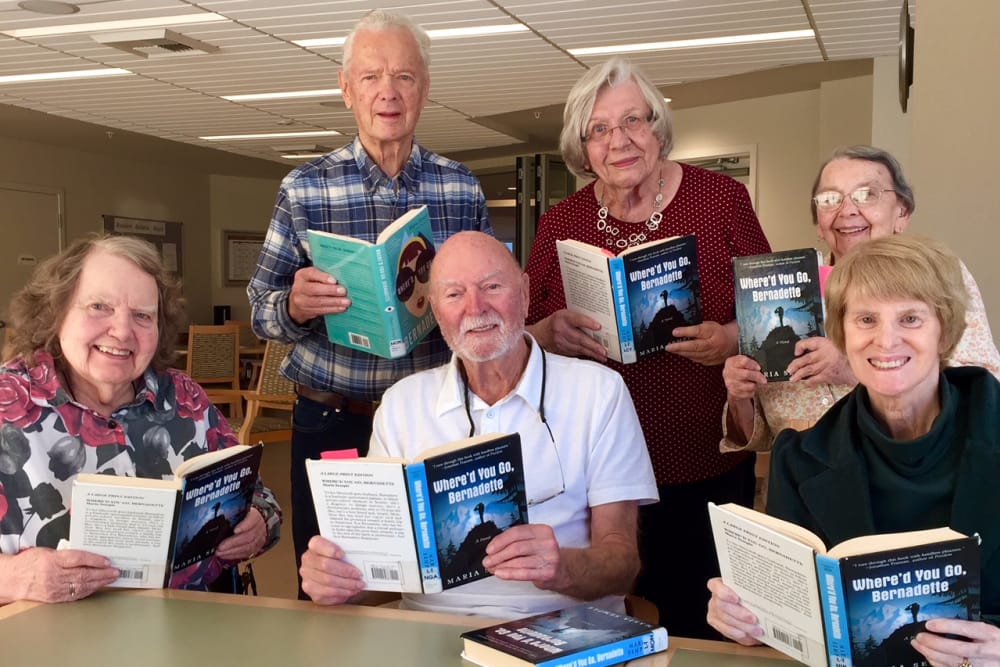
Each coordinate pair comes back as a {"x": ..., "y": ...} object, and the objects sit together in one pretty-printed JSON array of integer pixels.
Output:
[
  {"x": 362, "y": 507},
  {"x": 587, "y": 285},
  {"x": 875, "y": 543},
  {"x": 128, "y": 524},
  {"x": 775, "y": 577}
]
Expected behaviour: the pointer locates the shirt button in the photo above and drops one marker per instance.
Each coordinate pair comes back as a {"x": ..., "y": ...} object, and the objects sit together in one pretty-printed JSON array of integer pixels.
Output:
[{"x": 489, "y": 414}]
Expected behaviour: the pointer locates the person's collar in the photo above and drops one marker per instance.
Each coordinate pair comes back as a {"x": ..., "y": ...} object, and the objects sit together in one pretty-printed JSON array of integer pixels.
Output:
[
  {"x": 528, "y": 388},
  {"x": 372, "y": 175}
]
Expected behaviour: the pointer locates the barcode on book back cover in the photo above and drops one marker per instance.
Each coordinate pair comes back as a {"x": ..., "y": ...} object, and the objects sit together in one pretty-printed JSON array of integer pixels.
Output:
[
  {"x": 359, "y": 340},
  {"x": 135, "y": 574},
  {"x": 787, "y": 638},
  {"x": 383, "y": 572}
]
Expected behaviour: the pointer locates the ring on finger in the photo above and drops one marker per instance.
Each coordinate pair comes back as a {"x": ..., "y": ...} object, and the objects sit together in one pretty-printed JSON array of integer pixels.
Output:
[
  {"x": 965, "y": 663},
  {"x": 72, "y": 590}
]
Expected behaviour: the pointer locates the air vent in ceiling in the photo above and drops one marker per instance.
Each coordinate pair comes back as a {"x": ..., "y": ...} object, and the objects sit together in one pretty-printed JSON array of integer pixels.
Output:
[{"x": 155, "y": 42}]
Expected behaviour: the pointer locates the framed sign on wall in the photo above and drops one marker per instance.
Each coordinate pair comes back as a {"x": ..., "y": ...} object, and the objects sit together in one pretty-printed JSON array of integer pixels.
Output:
[
  {"x": 168, "y": 237},
  {"x": 240, "y": 250}
]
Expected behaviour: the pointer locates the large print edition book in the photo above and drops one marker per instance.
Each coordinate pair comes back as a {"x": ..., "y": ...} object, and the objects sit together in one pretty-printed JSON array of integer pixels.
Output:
[
  {"x": 423, "y": 525},
  {"x": 386, "y": 282},
  {"x": 578, "y": 636},
  {"x": 778, "y": 302},
  {"x": 857, "y": 604},
  {"x": 638, "y": 296},
  {"x": 164, "y": 532}
]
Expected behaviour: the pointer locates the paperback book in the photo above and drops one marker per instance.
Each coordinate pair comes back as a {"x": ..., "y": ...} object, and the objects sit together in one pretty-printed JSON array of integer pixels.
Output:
[
  {"x": 639, "y": 296},
  {"x": 421, "y": 526},
  {"x": 857, "y": 604},
  {"x": 580, "y": 636},
  {"x": 164, "y": 532},
  {"x": 779, "y": 301},
  {"x": 386, "y": 282}
]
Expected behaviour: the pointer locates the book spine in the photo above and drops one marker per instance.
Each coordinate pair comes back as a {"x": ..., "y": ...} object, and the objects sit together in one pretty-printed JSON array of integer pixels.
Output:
[
  {"x": 834, "y": 606},
  {"x": 614, "y": 653},
  {"x": 619, "y": 287},
  {"x": 423, "y": 528},
  {"x": 387, "y": 297}
]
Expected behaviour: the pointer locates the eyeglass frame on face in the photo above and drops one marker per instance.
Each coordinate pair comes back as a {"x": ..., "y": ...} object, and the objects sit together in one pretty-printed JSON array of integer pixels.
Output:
[
  {"x": 629, "y": 124},
  {"x": 853, "y": 196}
]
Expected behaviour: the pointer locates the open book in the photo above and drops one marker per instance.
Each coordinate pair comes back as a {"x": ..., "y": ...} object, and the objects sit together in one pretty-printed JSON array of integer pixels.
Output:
[
  {"x": 856, "y": 604},
  {"x": 386, "y": 282},
  {"x": 639, "y": 296},
  {"x": 163, "y": 532},
  {"x": 779, "y": 301},
  {"x": 579, "y": 636},
  {"x": 423, "y": 525}
]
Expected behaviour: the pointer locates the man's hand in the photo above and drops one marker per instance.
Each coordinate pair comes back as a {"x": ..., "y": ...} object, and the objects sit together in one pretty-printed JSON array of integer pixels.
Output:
[
  {"x": 711, "y": 343},
  {"x": 315, "y": 293},
  {"x": 326, "y": 578},
  {"x": 525, "y": 553},
  {"x": 565, "y": 332},
  {"x": 818, "y": 361}
]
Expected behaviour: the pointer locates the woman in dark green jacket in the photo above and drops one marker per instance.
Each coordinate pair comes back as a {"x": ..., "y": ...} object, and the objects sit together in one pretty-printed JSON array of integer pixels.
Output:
[{"x": 912, "y": 447}]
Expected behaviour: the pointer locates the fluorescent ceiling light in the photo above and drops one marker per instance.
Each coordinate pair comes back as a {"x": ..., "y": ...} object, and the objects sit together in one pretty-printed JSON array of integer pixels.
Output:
[
  {"x": 302, "y": 156},
  {"x": 102, "y": 26},
  {"x": 271, "y": 135},
  {"x": 281, "y": 96},
  {"x": 694, "y": 43},
  {"x": 445, "y": 33},
  {"x": 55, "y": 76}
]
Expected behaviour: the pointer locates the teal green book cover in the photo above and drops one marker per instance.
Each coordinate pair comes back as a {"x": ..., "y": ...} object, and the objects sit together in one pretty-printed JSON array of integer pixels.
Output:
[{"x": 387, "y": 282}]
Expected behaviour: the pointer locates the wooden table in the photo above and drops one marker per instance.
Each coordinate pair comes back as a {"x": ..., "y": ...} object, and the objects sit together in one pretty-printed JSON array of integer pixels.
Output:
[{"x": 170, "y": 628}]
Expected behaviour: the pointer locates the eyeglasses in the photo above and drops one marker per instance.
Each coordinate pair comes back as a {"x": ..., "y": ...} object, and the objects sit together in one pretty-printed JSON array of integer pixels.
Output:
[
  {"x": 832, "y": 200},
  {"x": 601, "y": 132}
]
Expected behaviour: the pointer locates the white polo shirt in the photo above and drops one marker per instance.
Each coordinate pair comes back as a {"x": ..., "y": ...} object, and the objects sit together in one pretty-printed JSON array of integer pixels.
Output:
[{"x": 598, "y": 446}]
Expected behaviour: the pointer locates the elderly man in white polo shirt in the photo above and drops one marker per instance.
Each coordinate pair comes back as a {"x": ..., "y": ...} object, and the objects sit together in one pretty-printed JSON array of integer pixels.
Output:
[{"x": 586, "y": 465}]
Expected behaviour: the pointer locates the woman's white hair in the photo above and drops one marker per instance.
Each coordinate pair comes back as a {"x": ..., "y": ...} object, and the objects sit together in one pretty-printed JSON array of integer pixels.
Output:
[{"x": 580, "y": 104}]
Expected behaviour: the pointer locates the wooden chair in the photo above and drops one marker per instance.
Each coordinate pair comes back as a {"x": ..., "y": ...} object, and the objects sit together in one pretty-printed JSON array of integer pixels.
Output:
[
  {"x": 272, "y": 393},
  {"x": 213, "y": 361}
]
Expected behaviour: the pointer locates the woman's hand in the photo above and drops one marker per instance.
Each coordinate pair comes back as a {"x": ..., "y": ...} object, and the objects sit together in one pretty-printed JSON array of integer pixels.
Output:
[
  {"x": 248, "y": 538},
  {"x": 742, "y": 377},
  {"x": 982, "y": 649},
  {"x": 565, "y": 332},
  {"x": 47, "y": 575},
  {"x": 727, "y": 615},
  {"x": 818, "y": 361},
  {"x": 711, "y": 343}
]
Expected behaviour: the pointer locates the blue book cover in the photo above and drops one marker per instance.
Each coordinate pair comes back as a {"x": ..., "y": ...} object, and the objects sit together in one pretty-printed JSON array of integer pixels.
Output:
[
  {"x": 387, "y": 282},
  {"x": 778, "y": 303},
  {"x": 473, "y": 494},
  {"x": 664, "y": 291},
  {"x": 580, "y": 636}
]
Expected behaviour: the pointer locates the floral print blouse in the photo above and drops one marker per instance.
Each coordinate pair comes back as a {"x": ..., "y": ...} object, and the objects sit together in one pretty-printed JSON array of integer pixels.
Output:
[{"x": 46, "y": 439}]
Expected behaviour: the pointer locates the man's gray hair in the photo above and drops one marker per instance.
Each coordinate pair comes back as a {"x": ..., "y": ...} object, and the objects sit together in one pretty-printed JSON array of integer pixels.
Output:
[{"x": 379, "y": 19}]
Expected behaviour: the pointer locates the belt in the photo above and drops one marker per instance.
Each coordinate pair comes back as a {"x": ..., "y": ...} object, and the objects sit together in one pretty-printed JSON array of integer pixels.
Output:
[{"x": 337, "y": 401}]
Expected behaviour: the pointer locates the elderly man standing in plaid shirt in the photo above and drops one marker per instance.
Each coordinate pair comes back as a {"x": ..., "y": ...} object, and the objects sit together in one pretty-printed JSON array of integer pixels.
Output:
[{"x": 358, "y": 190}]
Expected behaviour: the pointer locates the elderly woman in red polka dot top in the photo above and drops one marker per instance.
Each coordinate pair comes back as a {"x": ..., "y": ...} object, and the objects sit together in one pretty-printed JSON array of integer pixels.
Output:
[{"x": 618, "y": 130}]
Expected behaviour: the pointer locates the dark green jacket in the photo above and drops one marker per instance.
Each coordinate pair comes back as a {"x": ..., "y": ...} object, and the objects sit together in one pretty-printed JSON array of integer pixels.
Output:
[{"x": 819, "y": 481}]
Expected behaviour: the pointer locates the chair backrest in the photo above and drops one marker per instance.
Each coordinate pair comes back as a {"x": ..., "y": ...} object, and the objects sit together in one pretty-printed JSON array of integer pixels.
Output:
[
  {"x": 271, "y": 381},
  {"x": 247, "y": 337},
  {"x": 213, "y": 356}
]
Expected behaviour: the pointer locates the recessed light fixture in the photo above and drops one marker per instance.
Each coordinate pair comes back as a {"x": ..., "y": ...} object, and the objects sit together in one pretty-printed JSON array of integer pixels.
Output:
[
  {"x": 48, "y": 7},
  {"x": 444, "y": 33},
  {"x": 270, "y": 135},
  {"x": 281, "y": 96},
  {"x": 694, "y": 43},
  {"x": 56, "y": 76},
  {"x": 125, "y": 24}
]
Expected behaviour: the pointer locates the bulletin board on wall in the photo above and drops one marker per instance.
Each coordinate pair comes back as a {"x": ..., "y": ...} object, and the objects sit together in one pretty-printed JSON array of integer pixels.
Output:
[
  {"x": 240, "y": 253},
  {"x": 165, "y": 235}
]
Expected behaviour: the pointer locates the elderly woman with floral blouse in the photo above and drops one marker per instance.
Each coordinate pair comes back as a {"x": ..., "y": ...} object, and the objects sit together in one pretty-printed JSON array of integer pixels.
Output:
[{"x": 89, "y": 390}]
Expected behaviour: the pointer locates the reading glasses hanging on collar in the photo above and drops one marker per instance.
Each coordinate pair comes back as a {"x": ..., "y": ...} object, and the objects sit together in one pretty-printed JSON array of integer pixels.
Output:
[{"x": 831, "y": 200}]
